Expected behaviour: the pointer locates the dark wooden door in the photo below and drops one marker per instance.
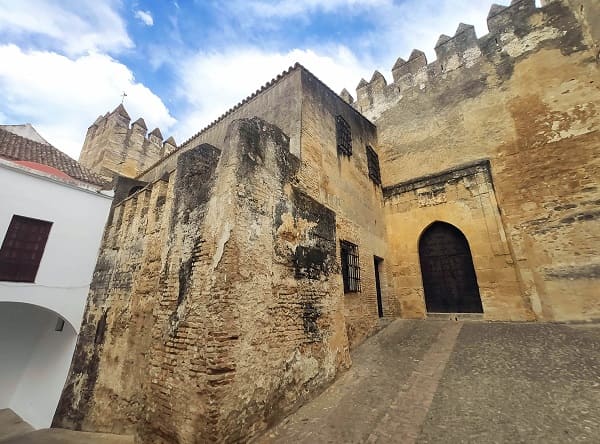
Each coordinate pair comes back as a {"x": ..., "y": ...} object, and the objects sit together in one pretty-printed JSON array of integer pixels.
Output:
[{"x": 449, "y": 278}]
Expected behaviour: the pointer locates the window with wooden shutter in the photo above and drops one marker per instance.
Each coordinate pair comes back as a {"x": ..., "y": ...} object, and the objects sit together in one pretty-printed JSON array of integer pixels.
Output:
[{"x": 22, "y": 249}]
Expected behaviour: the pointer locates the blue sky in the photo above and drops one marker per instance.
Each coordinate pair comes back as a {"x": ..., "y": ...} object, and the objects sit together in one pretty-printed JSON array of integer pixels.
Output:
[{"x": 183, "y": 63}]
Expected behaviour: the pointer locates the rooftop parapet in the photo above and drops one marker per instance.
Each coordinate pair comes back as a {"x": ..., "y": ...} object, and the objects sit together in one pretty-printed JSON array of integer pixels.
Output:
[
  {"x": 169, "y": 146},
  {"x": 141, "y": 124},
  {"x": 452, "y": 52},
  {"x": 506, "y": 24},
  {"x": 503, "y": 19},
  {"x": 347, "y": 96}
]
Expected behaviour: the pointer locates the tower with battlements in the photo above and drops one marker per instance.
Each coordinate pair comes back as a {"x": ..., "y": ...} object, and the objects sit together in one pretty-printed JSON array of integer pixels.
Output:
[{"x": 114, "y": 147}]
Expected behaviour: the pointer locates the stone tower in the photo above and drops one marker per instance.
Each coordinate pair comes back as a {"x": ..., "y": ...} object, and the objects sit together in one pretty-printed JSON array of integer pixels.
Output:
[{"x": 114, "y": 147}]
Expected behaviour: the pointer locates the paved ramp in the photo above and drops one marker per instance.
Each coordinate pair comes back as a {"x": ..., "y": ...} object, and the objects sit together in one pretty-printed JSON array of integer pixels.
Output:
[
  {"x": 12, "y": 425},
  {"x": 460, "y": 382},
  {"x": 13, "y": 430}
]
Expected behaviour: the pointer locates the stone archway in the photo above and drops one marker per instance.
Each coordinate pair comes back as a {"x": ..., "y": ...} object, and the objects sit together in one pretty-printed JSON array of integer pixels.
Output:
[{"x": 448, "y": 272}]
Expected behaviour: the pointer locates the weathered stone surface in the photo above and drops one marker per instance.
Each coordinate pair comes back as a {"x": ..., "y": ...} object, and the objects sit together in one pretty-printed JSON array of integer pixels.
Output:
[
  {"x": 114, "y": 148},
  {"x": 527, "y": 101},
  {"x": 217, "y": 305}
]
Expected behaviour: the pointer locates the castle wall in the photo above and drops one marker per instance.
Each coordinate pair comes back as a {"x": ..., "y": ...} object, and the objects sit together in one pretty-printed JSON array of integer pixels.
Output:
[
  {"x": 342, "y": 183},
  {"x": 464, "y": 197},
  {"x": 526, "y": 97},
  {"x": 215, "y": 306},
  {"x": 277, "y": 102}
]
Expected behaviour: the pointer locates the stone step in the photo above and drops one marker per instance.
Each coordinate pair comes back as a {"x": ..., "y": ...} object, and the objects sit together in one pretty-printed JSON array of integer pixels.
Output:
[{"x": 455, "y": 316}]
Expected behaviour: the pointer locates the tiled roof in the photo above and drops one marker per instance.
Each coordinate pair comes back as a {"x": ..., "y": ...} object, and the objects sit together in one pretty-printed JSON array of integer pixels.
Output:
[
  {"x": 15, "y": 147},
  {"x": 25, "y": 130}
]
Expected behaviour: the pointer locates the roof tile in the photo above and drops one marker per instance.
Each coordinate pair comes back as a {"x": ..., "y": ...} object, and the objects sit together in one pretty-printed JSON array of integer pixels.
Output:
[{"x": 15, "y": 147}]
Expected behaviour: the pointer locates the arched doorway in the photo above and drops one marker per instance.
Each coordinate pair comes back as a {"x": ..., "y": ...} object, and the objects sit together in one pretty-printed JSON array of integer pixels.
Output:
[
  {"x": 449, "y": 278},
  {"x": 36, "y": 347}
]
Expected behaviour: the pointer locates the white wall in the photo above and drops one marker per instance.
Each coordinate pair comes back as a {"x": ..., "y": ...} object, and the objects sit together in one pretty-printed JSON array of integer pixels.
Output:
[
  {"x": 35, "y": 359},
  {"x": 78, "y": 217}
]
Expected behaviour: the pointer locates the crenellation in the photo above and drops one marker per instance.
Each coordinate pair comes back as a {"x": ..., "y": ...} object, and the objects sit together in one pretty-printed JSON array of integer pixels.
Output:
[
  {"x": 347, "y": 96},
  {"x": 169, "y": 146},
  {"x": 223, "y": 262},
  {"x": 515, "y": 30},
  {"x": 114, "y": 147},
  {"x": 506, "y": 19},
  {"x": 378, "y": 82},
  {"x": 140, "y": 123}
]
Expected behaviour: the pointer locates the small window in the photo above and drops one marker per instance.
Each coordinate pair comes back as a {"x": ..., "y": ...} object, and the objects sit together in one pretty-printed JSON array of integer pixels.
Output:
[
  {"x": 344, "y": 136},
  {"x": 350, "y": 267},
  {"x": 22, "y": 249},
  {"x": 373, "y": 163}
]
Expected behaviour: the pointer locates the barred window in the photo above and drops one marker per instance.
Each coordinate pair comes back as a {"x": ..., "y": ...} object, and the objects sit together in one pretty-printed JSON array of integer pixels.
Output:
[
  {"x": 343, "y": 136},
  {"x": 22, "y": 249},
  {"x": 350, "y": 267},
  {"x": 373, "y": 163}
]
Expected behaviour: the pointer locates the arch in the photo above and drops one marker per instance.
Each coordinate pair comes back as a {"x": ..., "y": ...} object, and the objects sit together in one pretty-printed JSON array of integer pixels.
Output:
[
  {"x": 36, "y": 354},
  {"x": 449, "y": 278},
  {"x": 70, "y": 317},
  {"x": 41, "y": 307}
]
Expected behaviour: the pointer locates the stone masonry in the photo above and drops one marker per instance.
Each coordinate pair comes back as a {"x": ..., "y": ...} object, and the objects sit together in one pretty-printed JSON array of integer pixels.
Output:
[{"x": 220, "y": 300}]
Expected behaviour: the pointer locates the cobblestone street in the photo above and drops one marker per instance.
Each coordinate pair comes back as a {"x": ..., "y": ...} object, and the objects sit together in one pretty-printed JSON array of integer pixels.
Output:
[{"x": 452, "y": 382}]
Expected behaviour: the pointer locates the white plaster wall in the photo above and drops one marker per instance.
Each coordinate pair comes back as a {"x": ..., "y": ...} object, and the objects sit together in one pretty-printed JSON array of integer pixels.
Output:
[
  {"x": 34, "y": 361},
  {"x": 78, "y": 217},
  {"x": 34, "y": 358}
]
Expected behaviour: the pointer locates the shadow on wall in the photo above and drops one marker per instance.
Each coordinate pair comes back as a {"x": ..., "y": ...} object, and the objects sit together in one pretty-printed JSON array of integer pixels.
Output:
[{"x": 36, "y": 347}]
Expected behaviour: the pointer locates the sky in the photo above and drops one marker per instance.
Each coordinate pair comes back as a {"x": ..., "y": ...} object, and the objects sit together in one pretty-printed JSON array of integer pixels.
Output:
[{"x": 183, "y": 63}]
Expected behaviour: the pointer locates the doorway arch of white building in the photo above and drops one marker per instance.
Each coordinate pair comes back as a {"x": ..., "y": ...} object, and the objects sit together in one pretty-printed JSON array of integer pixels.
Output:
[
  {"x": 36, "y": 350},
  {"x": 66, "y": 305}
]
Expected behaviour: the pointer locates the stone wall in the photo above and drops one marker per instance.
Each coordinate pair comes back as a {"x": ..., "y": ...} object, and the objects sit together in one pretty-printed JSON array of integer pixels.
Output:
[
  {"x": 215, "y": 304},
  {"x": 526, "y": 97},
  {"x": 342, "y": 183},
  {"x": 465, "y": 198}
]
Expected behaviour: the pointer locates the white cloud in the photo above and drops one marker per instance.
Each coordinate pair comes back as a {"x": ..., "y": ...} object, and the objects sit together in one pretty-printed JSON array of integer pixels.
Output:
[
  {"x": 398, "y": 27},
  {"x": 418, "y": 24},
  {"x": 62, "y": 97},
  {"x": 72, "y": 26},
  {"x": 211, "y": 83},
  {"x": 287, "y": 8},
  {"x": 145, "y": 17}
]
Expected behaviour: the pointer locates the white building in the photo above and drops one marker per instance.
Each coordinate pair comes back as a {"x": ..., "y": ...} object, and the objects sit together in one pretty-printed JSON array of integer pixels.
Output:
[{"x": 52, "y": 216}]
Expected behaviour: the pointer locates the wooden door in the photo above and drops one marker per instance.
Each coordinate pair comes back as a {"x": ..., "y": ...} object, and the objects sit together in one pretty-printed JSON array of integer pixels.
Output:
[{"x": 447, "y": 269}]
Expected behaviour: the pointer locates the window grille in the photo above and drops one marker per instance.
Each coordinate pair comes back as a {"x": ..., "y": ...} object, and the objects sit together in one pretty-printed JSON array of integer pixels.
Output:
[
  {"x": 350, "y": 267},
  {"x": 344, "y": 136},
  {"x": 373, "y": 164},
  {"x": 22, "y": 249}
]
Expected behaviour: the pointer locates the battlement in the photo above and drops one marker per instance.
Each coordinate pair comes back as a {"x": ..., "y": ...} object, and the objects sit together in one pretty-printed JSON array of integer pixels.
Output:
[
  {"x": 514, "y": 31},
  {"x": 114, "y": 145},
  {"x": 120, "y": 117}
]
